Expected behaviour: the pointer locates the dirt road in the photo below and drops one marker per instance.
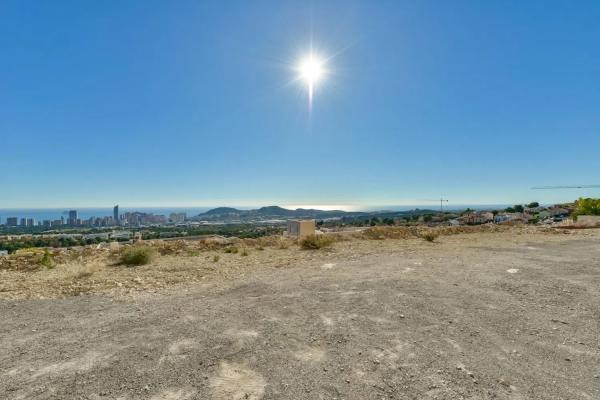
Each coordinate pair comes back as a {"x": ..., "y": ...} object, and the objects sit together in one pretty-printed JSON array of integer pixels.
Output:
[{"x": 458, "y": 319}]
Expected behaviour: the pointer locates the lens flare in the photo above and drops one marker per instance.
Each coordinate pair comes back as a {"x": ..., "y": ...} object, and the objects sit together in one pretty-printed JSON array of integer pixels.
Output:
[{"x": 311, "y": 70}]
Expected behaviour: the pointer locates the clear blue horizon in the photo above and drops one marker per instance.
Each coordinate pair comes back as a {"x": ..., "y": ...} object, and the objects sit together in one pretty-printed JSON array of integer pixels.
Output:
[
  {"x": 190, "y": 103},
  {"x": 40, "y": 214}
]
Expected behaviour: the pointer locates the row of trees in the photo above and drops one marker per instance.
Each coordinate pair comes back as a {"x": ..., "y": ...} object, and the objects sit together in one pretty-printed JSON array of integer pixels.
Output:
[
  {"x": 520, "y": 207},
  {"x": 14, "y": 245}
]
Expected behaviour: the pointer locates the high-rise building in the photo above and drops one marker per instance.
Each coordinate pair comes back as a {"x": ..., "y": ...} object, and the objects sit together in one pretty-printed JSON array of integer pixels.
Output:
[
  {"x": 30, "y": 221},
  {"x": 73, "y": 216},
  {"x": 23, "y": 222},
  {"x": 116, "y": 214},
  {"x": 12, "y": 221},
  {"x": 177, "y": 218}
]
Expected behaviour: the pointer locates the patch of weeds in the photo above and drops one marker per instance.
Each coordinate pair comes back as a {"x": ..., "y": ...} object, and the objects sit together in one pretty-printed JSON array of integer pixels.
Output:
[
  {"x": 47, "y": 260},
  {"x": 244, "y": 252},
  {"x": 231, "y": 250},
  {"x": 315, "y": 242},
  {"x": 216, "y": 258},
  {"x": 283, "y": 243},
  {"x": 193, "y": 253},
  {"x": 83, "y": 273},
  {"x": 136, "y": 255},
  {"x": 429, "y": 236}
]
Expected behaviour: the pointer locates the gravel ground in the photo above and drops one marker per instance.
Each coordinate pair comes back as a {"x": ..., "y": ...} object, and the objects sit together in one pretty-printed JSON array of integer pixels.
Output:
[{"x": 477, "y": 316}]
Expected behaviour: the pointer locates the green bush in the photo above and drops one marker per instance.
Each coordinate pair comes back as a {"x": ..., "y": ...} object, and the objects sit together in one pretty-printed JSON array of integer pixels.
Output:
[
  {"x": 231, "y": 250},
  {"x": 136, "y": 255},
  {"x": 47, "y": 259},
  {"x": 315, "y": 242},
  {"x": 587, "y": 206}
]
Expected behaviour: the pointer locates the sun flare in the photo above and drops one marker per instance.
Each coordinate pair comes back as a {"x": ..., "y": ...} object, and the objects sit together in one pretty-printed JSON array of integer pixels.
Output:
[{"x": 311, "y": 70}]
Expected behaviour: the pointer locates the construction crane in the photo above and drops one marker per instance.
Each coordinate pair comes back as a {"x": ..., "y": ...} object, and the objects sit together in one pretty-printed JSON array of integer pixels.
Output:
[
  {"x": 567, "y": 187},
  {"x": 441, "y": 200}
]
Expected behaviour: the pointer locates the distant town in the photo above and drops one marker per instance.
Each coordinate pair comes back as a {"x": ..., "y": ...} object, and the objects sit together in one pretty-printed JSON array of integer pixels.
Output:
[
  {"x": 125, "y": 219},
  {"x": 18, "y": 232}
]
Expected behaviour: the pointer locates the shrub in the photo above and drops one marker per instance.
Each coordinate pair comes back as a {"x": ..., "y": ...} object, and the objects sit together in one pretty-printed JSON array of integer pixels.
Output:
[
  {"x": 430, "y": 236},
  {"x": 136, "y": 255},
  {"x": 587, "y": 206},
  {"x": 315, "y": 242},
  {"x": 216, "y": 258},
  {"x": 47, "y": 259},
  {"x": 231, "y": 250},
  {"x": 283, "y": 243},
  {"x": 244, "y": 252}
]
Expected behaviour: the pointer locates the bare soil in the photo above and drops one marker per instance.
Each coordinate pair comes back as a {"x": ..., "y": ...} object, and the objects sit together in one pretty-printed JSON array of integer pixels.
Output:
[{"x": 501, "y": 315}]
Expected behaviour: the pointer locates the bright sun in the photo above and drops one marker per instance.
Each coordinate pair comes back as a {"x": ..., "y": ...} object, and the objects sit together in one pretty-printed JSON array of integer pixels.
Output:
[{"x": 311, "y": 70}]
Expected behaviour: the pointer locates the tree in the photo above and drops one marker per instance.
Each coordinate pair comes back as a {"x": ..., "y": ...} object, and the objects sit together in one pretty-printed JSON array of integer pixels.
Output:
[
  {"x": 534, "y": 204},
  {"x": 519, "y": 208},
  {"x": 587, "y": 206}
]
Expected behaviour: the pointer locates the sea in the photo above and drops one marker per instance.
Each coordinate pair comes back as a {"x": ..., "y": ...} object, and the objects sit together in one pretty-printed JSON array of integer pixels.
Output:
[{"x": 40, "y": 214}]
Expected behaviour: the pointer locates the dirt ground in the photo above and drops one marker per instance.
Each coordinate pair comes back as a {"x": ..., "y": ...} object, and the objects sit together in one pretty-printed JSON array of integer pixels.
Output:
[{"x": 505, "y": 315}]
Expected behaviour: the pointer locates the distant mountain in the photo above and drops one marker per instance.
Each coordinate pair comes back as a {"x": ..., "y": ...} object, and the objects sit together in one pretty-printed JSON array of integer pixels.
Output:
[
  {"x": 222, "y": 211},
  {"x": 276, "y": 212}
]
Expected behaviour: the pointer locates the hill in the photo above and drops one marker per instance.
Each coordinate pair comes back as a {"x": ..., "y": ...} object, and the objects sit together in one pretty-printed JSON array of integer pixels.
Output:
[{"x": 227, "y": 214}]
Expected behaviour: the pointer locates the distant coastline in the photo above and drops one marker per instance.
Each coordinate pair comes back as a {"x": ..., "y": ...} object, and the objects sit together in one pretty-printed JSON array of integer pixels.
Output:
[{"x": 55, "y": 213}]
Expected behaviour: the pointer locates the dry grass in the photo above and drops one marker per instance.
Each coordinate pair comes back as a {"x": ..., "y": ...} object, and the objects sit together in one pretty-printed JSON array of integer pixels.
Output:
[
  {"x": 429, "y": 235},
  {"x": 91, "y": 269},
  {"x": 136, "y": 255},
  {"x": 83, "y": 272},
  {"x": 387, "y": 232},
  {"x": 315, "y": 242}
]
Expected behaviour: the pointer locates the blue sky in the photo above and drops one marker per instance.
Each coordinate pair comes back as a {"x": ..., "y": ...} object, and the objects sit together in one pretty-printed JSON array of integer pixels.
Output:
[{"x": 190, "y": 103}]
